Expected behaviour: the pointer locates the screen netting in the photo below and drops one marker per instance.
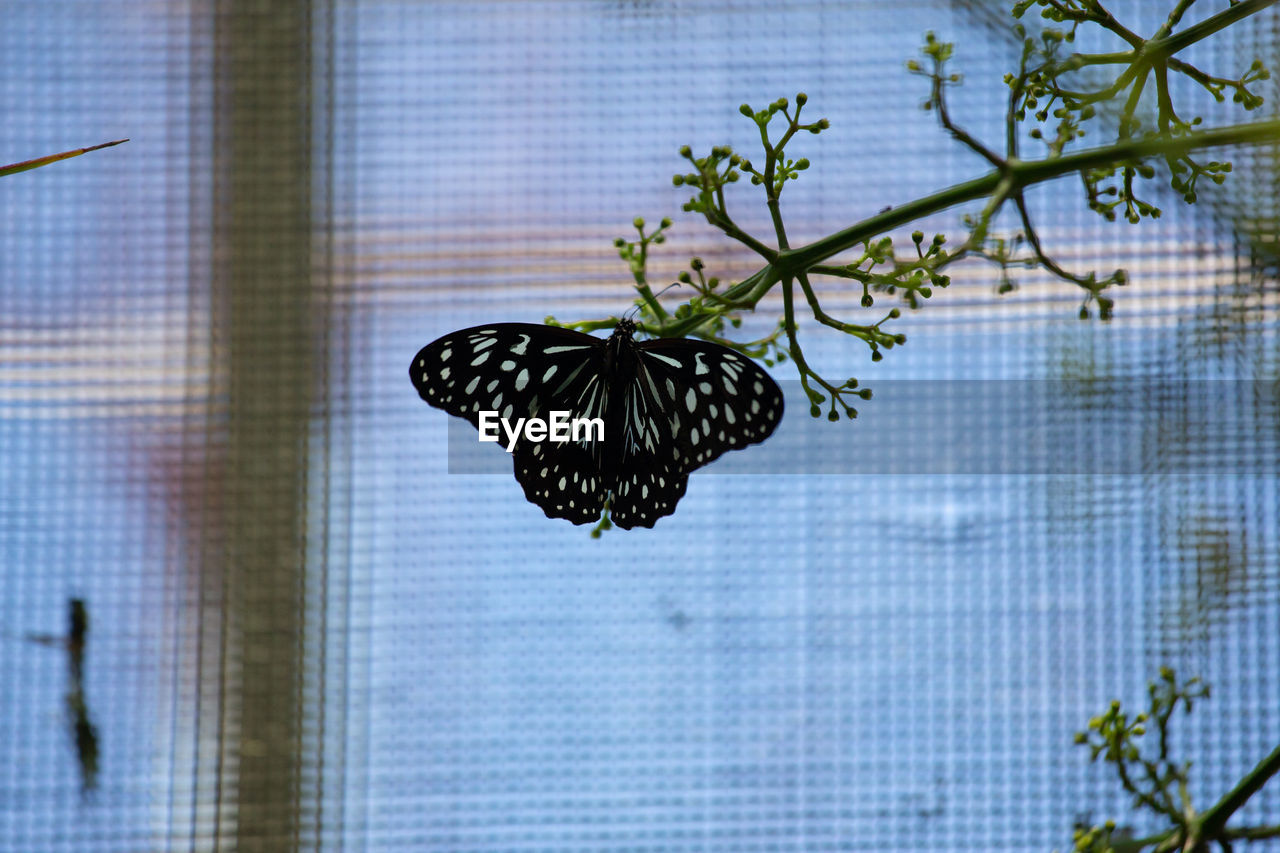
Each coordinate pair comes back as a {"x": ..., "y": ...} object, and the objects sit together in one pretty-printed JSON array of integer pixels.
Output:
[{"x": 246, "y": 604}]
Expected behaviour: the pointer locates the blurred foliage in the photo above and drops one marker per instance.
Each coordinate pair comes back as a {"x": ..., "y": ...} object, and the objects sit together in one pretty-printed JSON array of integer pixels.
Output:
[{"x": 1138, "y": 749}]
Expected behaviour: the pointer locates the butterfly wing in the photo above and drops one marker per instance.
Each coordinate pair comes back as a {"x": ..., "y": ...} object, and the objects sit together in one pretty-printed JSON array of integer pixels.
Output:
[
  {"x": 690, "y": 402},
  {"x": 563, "y": 478},
  {"x": 645, "y": 495},
  {"x": 716, "y": 399},
  {"x": 523, "y": 370},
  {"x": 518, "y": 370}
]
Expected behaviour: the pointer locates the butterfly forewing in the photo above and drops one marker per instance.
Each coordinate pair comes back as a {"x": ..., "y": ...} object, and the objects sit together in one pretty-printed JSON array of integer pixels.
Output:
[
  {"x": 669, "y": 406},
  {"x": 715, "y": 399},
  {"x": 519, "y": 370}
]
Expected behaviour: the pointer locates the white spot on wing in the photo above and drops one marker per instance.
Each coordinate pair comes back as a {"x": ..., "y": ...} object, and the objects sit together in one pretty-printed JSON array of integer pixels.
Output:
[
  {"x": 653, "y": 389},
  {"x": 665, "y": 359}
]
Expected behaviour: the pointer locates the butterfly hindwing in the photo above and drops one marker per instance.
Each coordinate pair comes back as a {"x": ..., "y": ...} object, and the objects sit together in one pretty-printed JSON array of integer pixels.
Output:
[
  {"x": 563, "y": 479},
  {"x": 645, "y": 495}
]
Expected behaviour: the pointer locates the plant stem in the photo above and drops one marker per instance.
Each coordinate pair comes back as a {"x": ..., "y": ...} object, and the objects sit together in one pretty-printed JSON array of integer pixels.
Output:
[
  {"x": 1024, "y": 174},
  {"x": 1214, "y": 819},
  {"x": 1172, "y": 44}
]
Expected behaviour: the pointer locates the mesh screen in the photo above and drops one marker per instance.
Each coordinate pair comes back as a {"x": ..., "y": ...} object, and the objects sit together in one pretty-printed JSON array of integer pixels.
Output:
[{"x": 246, "y": 604}]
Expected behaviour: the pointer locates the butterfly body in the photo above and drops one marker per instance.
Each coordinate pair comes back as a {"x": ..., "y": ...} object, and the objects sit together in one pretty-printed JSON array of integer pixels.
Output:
[
  {"x": 669, "y": 406},
  {"x": 620, "y": 363}
]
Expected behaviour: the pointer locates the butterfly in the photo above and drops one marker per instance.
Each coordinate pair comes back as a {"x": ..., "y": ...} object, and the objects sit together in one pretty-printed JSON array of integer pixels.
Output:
[{"x": 667, "y": 407}]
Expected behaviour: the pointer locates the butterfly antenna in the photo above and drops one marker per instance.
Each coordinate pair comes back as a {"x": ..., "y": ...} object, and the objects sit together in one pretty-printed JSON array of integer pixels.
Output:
[{"x": 655, "y": 296}]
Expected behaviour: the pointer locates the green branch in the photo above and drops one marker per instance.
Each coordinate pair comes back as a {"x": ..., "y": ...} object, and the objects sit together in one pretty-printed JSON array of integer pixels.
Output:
[
  {"x": 1169, "y": 45},
  {"x": 1023, "y": 174},
  {"x": 1214, "y": 820}
]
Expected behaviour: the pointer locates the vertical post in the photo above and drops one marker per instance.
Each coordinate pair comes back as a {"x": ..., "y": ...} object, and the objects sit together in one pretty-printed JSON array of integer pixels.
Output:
[{"x": 262, "y": 301}]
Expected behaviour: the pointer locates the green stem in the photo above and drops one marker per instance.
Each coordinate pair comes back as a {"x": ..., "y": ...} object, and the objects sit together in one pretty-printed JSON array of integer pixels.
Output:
[
  {"x": 1254, "y": 833},
  {"x": 1023, "y": 174},
  {"x": 750, "y": 290},
  {"x": 1213, "y": 821},
  {"x": 1194, "y": 33},
  {"x": 720, "y": 219}
]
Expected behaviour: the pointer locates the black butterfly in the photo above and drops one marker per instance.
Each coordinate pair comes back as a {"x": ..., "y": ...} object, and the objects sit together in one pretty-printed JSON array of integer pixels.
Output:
[{"x": 668, "y": 406}]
